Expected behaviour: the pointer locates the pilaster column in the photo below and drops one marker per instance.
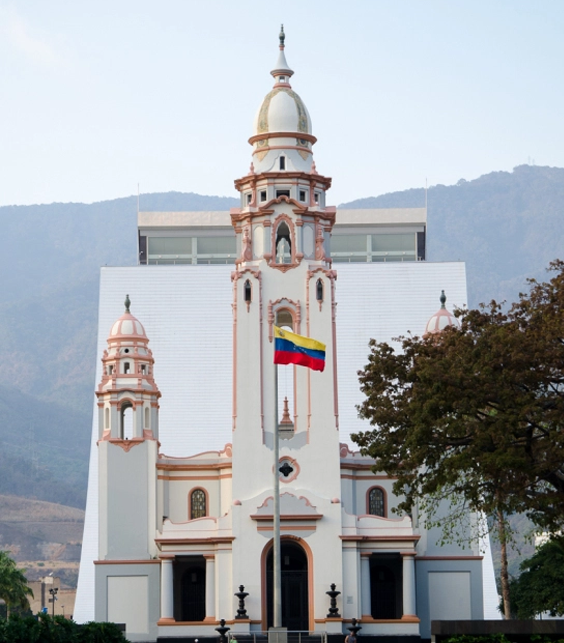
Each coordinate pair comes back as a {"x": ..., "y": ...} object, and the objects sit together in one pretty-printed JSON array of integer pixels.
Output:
[
  {"x": 409, "y": 608},
  {"x": 365, "y": 599},
  {"x": 167, "y": 596},
  {"x": 210, "y": 587}
]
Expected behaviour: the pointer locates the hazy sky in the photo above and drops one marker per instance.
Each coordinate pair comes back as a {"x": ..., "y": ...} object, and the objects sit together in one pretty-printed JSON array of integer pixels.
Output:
[{"x": 96, "y": 97}]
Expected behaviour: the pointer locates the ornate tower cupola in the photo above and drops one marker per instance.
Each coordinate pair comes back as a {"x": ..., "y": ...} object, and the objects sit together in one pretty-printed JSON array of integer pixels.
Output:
[
  {"x": 283, "y": 171},
  {"x": 127, "y": 394}
]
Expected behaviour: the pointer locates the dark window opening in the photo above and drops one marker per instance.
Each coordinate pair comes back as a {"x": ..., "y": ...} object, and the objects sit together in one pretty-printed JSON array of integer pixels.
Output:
[
  {"x": 197, "y": 504},
  {"x": 126, "y": 367},
  {"x": 282, "y": 193},
  {"x": 142, "y": 250},
  {"x": 376, "y": 505},
  {"x": 189, "y": 581},
  {"x": 302, "y": 195},
  {"x": 319, "y": 290},
  {"x": 143, "y": 369},
  {"x": 248, "y": 291},
  {"x": 110, "y": 369},
  {"x": 283, "y": 244},
  {"x": 249, "y": 198},
  {"x": 263, "y": 195},
  {"x": 282, "y": 162},
  {"x": 386, "y": 586},
  {"x": 421, "y": 246},
  {"x": 316, "y": 197}
]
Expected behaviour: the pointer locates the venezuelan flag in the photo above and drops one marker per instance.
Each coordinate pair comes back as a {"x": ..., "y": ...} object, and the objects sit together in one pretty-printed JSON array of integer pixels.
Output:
[{"x": 290, "y": 348}]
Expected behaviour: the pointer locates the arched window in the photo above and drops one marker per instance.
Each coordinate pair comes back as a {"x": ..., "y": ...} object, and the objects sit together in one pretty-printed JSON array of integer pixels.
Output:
[
  {"x": 282, "y": 162},
  {"x": 248, "y": 291},
  {"x": 376, "y": 502},
  {"x": 198, "y": 507},
  {"x": 126, "y": 367},
  {"x": 283, "y": 244},
  {"x": 126, "y": 417},
  {"x": 319, "y": 290}
]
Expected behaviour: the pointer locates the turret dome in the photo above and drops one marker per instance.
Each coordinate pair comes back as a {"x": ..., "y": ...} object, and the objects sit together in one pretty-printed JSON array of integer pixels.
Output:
[
  {"x": 127, "y": 326},
  {"x": 282, "y": 110},
  {"x": 441, "y": 319}
]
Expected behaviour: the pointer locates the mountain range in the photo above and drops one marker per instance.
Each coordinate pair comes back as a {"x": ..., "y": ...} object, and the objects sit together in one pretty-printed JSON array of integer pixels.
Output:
[{"x": 506, "y": 226}]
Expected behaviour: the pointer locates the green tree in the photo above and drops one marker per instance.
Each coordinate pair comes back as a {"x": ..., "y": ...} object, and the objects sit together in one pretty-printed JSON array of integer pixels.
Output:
[
  {"x": 476, "y": 412},
  {"x": 44, "y": 628},
  {"x": 13, "y": 584},
  {"x": 540, "y": 587}
]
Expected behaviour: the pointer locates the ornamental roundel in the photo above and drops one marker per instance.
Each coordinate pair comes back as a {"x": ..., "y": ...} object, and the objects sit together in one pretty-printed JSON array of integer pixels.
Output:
[{"x": 288, "y": 469}]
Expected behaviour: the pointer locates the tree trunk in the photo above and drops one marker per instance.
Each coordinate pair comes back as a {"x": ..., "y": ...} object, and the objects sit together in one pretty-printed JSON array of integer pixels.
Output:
[{"x": 502, "y": 535}]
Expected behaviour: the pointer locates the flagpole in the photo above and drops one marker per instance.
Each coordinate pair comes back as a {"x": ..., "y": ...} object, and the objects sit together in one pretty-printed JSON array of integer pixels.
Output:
[
  {"x": 294, "y": 349},
  {"x": 276, "y": 567}
]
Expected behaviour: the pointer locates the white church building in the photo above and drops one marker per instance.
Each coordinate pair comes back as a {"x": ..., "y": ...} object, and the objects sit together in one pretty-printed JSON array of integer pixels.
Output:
[{"x": 180, "y": 500}]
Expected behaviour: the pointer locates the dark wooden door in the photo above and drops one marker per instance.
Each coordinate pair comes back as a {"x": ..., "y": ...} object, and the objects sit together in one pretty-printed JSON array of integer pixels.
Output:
[{"x": 295, "y": 592}]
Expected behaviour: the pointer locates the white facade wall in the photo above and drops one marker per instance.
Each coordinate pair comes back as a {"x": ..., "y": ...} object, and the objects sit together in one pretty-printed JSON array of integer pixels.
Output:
[{"x": 186, "y": 311}]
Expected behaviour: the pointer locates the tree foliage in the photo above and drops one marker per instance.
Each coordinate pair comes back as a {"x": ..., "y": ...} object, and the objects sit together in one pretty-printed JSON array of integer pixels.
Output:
[
  {"x": 540, "y": 587},
  {"x": 57, "y": 629},
  {"x": 476, "y": 410},
  {"x": 13, "y": 584}
]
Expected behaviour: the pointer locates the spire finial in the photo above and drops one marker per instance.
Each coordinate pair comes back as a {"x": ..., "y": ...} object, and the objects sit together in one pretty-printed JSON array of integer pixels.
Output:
[
  {"x": 443, "y": 299},
  {"x": 282, "y": 72},
  {"x": 127, "y": 303},
  {"x": 286, "y": 419}
]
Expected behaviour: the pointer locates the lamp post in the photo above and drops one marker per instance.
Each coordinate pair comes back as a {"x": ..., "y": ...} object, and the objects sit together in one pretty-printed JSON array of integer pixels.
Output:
[{"x": 53, "y": 591}]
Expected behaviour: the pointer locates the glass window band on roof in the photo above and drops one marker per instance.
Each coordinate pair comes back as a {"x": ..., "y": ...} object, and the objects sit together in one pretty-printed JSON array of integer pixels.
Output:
[{"x": 183, "y": 250}]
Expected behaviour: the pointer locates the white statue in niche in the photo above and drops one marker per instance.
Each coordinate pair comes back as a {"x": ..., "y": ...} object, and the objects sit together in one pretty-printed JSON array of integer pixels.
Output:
[{"x": 283, "y": 251}]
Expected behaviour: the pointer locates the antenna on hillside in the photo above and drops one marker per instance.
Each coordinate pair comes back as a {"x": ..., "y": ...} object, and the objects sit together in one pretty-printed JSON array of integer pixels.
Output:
[{"x": 426, "y": 223}]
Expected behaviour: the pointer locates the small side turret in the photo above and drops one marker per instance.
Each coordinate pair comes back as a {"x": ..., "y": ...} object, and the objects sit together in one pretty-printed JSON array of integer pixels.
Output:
[{"x": 128, "y": 383}]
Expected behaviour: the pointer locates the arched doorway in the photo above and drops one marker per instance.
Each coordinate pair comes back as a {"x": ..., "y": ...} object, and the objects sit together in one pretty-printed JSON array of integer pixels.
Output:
[{"x": 295, "y": 586}]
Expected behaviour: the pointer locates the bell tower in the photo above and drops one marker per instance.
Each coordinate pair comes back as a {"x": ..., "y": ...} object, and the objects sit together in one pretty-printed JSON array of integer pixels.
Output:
[
  {"x": 283, "y": 277},
  {"x": 128, "y": 419}
]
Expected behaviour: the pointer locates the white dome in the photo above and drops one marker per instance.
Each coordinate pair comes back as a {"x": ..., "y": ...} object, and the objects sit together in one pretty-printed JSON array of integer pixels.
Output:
[
  {"x": 128, "y": 325},
  {"x": 282, "y": 110}
]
